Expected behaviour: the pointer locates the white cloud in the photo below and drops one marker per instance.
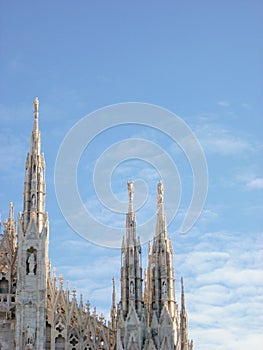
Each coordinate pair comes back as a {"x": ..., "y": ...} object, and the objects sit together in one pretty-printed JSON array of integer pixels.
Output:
[
  {"x": 225, "y": 145},
  {"x": 217, "y": 139},
  {"x": 256, "y": 183},
  {"x": 223, "y": 103}
]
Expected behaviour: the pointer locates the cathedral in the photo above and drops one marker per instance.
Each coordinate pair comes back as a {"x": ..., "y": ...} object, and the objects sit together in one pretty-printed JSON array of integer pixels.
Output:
[{"x": 37, "y": 310}]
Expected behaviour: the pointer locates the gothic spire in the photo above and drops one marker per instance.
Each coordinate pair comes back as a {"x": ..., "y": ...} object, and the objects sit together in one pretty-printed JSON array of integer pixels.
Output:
[
  {"x": 8, "y": 243},
  {"x": 34, "y": 186},
  {"x": 131, "y": 304},
  {"x": 160, "y": 266},
  {"x": 113, "y": 307},
  {"x": 182, "y": 296},
  {"x": 183, "y": 320}
]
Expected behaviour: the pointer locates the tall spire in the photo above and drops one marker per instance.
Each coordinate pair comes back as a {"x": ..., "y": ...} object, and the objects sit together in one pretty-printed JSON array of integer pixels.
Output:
[
  {"x": 183, "y": 320},
  {"x": 182, "y": 295},
  {"x": 113, "y": 307},
  {"x": 131, "y": 308},
  {"x": 34, "y": 186},
  {"x": 32, "y": 252},
  {"x": 8, "y": 245},
  {"x": 160, "y": 267}
]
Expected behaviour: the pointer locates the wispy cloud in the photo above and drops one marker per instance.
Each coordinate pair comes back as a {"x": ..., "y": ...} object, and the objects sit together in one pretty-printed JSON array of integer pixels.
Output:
[
  {"x": 223, "y": 289},
  {"x": 223, "y": 103},
  {"x": 256, "y": 183},
  {"x": 217, "y": 139}
]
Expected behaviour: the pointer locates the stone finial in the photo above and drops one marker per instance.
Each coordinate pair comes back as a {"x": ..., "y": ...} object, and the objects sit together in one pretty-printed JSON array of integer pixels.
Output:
[
  {"x": 88, "y": 306},
  {"x": 60, "y": 280},
  {"x": 113, "y": 292},
  {"x": 36, "y": 105},
  {"x": 11, "y": 211},
  {"x": 94, "y": 314},
  {"x": 130, "y": 185},
  {"x": 160, "y": 192}
]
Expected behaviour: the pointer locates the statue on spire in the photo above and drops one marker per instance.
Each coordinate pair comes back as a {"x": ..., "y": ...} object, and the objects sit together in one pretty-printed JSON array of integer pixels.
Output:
[
  {"x": 36, "y": 104},
  {"x": 130, "y": 190},
  {"x": 160, "y": 192}
]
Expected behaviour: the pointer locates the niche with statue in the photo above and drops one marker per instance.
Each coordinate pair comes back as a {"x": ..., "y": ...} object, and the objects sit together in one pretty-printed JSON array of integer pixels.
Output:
[{"x": 31, "y": 261}]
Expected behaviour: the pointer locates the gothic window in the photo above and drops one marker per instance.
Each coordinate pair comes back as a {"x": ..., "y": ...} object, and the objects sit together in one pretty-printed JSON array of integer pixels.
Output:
[
  {"x": 60, "y": 343},
  {"x": 73, "y": 340},
  {"x": 48, "y": 337},
  {"x": 3, "y": 286},
  {"x": 60, "y": 327}
]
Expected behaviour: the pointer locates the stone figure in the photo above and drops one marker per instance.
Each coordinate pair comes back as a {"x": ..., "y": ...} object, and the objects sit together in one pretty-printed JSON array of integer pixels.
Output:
[
  {"x": 30, "y": 335},
  {"x": 132, "y": 287},
  {"x": 164, "y": 289},
  {"x": 33, "y": 205},
  {"x": 31, "y": 263},
  {"x": 131, "y": 190},
  {"x": 160, "y": 192}
]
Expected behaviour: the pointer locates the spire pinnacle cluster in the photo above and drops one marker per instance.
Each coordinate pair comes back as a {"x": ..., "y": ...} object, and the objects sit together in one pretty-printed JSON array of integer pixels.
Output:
[{"x": 40, "y": 312}]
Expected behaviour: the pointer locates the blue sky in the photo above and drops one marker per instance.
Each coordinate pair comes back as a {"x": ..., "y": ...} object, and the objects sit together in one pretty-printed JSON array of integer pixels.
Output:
[{"x": 200, "y": 60}]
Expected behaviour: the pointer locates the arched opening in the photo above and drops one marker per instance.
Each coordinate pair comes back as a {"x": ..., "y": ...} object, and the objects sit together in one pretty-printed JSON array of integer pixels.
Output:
[
  {"x": 60, "y": 343},
  {"x": 48, "y": 336},
  {"x": 3, "y": 286}
]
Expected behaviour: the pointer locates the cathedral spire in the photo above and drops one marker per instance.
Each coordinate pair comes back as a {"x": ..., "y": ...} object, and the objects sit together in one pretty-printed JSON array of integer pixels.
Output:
[
  {"x": 183, "y": 320},
  {"x": 34, "y": 185},
  {"x": 182, "y": 295},
  {"x": 32, "y": 255},
  {"x": 8, "y": 245},
  {"x": 160, "y": 282},
  {"x": 113, "y": 307},
  {"x": 131, "y": 305}
]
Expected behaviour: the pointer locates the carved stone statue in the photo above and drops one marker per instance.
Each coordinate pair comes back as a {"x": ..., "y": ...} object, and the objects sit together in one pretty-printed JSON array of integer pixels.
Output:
[
  {"x": 30, "y": 335},
  {"x": 160, "y": 192},
  {"x": 132, "y": 288},
  {"x": 164, "y": 289},
  {"x": 33, "y": 203},
  {"x": 31, "y": 263},
  {"x": 131, "y": 190}
]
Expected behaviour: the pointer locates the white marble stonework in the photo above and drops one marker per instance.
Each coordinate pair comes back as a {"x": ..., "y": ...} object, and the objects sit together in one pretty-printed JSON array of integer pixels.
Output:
[{"x": 36, "y": 310}]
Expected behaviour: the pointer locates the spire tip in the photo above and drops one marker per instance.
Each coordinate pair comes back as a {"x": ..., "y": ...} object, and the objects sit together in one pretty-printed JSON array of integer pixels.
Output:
[
  {"x": 130, "y": 185},
  {"x": 36, "y": 104}
]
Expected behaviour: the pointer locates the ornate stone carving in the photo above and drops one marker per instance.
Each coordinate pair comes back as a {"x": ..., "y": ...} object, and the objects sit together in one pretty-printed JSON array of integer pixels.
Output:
[{"x": 31, "y": 264}]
